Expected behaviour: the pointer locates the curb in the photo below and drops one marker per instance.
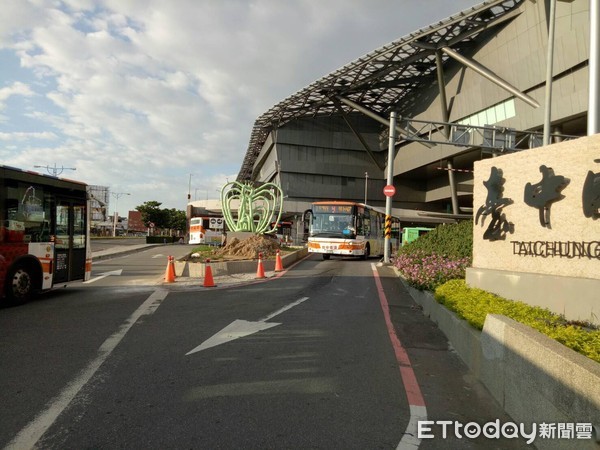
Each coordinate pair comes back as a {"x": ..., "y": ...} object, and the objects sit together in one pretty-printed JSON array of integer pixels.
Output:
[
  {"x": 534, "y": 378},
  {"x": 107, "y": 254},
  {"x": 219, "y": 268}
]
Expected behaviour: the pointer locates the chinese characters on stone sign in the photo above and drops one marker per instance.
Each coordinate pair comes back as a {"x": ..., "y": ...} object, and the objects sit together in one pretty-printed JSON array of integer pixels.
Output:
[
  {"x": 591, "y": 195},
  {"x": 494, "y": 203},
  {"x": 541, "y": 196}
]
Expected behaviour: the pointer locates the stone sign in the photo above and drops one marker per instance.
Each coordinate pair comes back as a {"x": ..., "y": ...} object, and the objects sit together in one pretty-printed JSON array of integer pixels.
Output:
[{"x": 536, "y": 218}]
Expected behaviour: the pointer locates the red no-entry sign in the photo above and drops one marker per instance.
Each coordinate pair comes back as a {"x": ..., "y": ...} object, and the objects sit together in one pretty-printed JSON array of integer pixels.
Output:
[{"x": 389, "y": 190}]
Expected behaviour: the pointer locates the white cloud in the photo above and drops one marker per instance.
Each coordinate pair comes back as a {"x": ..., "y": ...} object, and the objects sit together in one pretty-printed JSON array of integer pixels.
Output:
[
  {"x": 138, "y": 94},
  {"x": 20, "y": 136},
  {"x": 15, "y": 89}
]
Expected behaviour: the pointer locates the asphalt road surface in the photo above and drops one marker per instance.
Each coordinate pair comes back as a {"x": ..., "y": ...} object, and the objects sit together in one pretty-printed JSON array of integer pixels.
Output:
[
  {"x": 302, "y": 361},
  {"x": 98, "y": 244}
]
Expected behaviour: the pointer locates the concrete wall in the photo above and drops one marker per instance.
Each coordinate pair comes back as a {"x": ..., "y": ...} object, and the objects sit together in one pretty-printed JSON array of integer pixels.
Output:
[
  {"x": 516, "y": 52},
  {"x": 533, "y": 377},
  {"x": 322, "y": 159}
]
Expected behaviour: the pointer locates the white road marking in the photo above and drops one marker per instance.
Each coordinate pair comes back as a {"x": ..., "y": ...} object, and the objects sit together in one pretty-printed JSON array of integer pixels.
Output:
[
  {"x": 31, "y": 434},
  {"x": 104, "y": 275},
  {"x": 241, "y": 328},
  {"x": 410, "y": 439}
]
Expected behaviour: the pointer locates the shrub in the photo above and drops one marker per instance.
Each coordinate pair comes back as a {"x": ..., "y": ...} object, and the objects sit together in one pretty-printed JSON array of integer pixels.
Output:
[
  {"x": 161, "y": 239},
  {"x": 451, "y": 240},
  {"x": 442, "y": 254},
  {"x": 474, "y": 305}
]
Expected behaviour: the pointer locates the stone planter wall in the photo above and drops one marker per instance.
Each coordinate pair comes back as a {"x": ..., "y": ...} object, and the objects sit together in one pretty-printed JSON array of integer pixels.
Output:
[{"x": 532, "y": 376}]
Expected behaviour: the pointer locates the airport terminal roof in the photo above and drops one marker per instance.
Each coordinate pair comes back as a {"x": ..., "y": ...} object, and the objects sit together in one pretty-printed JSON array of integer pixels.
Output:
[{"x": 386, "y": 79}]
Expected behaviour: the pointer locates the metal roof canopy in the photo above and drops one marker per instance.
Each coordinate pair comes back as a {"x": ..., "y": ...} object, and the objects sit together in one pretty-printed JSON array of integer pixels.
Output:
[{"x": 385, "y": 79}]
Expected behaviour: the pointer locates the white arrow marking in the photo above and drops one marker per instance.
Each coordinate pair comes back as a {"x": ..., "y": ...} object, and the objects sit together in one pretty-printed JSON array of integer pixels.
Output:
[
  {"x": 160, "y": 255},
  {"x": 241, "y": 328},
  {"x": 104, "y": 275}
]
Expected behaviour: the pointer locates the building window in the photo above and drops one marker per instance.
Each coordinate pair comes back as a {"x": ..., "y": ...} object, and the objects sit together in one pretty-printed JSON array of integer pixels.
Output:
[{"x": 491, "y": 115}]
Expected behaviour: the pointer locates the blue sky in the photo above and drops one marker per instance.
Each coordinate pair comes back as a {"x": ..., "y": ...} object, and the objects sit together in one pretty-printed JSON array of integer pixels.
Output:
[{"x": 138, "y": 95}]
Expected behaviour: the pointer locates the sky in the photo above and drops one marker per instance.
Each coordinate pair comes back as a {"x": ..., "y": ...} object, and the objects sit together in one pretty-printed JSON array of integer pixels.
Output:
[{"x": 156, "y": 99}]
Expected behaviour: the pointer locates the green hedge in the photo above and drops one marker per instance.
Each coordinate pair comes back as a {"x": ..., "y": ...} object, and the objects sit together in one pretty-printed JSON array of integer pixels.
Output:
[
  {"x": 451, "y": 240},
  {"x": 162, "y": 239},
  {"x": 474, "y": 305}
]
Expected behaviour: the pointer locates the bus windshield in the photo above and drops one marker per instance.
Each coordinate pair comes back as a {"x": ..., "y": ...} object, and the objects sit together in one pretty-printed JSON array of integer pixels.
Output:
[{"x": 333, "y": 220}]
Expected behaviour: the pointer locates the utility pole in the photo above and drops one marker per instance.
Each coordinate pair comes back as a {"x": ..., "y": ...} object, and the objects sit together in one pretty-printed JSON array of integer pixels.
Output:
[
  {"x": 366, "y": 183},
  {"x": 117, "y": 195},
  {"x": 390, "y": 182}
]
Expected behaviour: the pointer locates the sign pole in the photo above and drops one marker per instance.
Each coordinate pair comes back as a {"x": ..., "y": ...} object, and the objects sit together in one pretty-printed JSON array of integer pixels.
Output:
[
  {"x": 593, "y": 125},
  {"x": 390, "y": 182}
]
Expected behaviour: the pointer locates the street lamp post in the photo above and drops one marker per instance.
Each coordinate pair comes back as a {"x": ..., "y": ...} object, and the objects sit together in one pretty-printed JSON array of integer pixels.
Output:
[
  {"x": 55, "y": 171},
  {"x": 366, "y": 182},
  {"x": 117, "y": 195}
]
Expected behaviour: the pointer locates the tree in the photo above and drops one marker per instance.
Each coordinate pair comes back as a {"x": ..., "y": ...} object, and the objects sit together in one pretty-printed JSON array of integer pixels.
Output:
[
  {"x": 177, "y": 219},
  {"x": 152, "y": 213},
  {"x": 172, "y": 219}
]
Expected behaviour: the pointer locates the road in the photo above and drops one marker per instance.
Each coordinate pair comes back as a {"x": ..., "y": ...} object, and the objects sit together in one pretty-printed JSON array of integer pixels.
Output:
[
  {"x": 99, "y": 244},
  {"x": 124, "y": 362}
]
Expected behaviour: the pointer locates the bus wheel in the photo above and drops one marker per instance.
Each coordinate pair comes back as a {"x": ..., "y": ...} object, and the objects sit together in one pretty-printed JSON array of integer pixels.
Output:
[
  {"x": 367, "y": 252},
  {"x": 19, "y": 284},
  {"x": 326, "y": 256}
]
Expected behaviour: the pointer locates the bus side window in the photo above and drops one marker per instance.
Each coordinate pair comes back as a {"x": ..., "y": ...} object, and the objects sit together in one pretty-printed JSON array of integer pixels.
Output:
[
  {"x": 367, "y": 224},
  {"x": 359, "y": 224}
]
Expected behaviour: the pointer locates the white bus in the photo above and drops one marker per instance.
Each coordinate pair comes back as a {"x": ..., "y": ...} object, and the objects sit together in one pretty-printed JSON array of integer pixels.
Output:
[
  {"x": 206, "y": 230},
  {"x": 349, "y": 229}
]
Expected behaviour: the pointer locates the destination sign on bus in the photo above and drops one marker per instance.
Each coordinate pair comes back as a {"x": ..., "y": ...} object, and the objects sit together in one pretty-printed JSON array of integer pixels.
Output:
[{"x": 333, "y": 209}]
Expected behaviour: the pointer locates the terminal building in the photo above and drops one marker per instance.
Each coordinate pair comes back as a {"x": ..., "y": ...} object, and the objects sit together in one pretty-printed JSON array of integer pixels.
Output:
[{"x": 469, "y": 87}]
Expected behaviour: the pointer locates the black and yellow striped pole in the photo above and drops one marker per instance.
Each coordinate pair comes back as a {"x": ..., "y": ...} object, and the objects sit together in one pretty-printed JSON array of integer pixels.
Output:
[{"x": 388, "y": 227}]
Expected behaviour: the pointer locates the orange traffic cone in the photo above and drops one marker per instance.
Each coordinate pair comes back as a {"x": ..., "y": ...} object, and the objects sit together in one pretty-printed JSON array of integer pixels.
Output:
[
  {"x": 278, "y": 263},
  {"x": 208, "y": 278},
  {"x": 260, "y": 270},
  {"x": 170, "y": 272}
]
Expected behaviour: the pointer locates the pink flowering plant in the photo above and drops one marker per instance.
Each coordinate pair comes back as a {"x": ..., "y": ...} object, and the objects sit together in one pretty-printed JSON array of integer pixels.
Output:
[
  {"x": 441, "y": 255},
  {"x": 427, "y": 271}
]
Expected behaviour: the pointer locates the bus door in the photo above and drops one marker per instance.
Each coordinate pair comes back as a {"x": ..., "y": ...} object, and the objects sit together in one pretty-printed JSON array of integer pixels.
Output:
[{"x": 69, "y": 241}]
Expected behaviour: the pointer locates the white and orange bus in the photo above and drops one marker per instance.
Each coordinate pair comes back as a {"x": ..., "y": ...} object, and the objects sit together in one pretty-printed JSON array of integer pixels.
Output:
[
  {"x": 283, "y": 232},
  {"x": 44, "y": 233},
  {"x": 348, "y": 229},
  {"x": 206, "y": 230}
]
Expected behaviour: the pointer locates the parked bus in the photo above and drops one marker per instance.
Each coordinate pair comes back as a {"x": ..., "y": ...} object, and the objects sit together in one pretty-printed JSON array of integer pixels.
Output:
[
  {"x": 283, "y": 231},
  {"x": 206, "y": 230},
  {"x": 44, "y": 233},
  {"x": 348, "y": 229}
]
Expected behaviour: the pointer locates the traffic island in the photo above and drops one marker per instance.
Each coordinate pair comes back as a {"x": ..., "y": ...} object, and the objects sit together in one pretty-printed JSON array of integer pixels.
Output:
[{"x": 190, "y": 269}]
